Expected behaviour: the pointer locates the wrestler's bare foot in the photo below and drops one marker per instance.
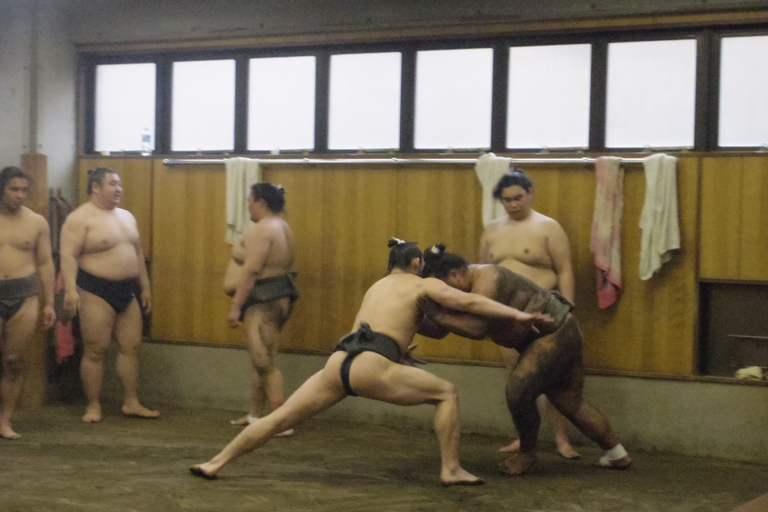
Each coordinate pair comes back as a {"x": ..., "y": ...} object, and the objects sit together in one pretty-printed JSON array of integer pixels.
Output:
[
  {"x": 511, "y": 448},
  {"x": 518, "y": 463},
  {"x": 566, "y": 450},
  {"x": 6, "y": 432},
  {"x": 205, "y": 470},
  {"x": 139, "y": 411},
  {"x": 92, "y": 414},
  {"x": 459, "y": 476}
]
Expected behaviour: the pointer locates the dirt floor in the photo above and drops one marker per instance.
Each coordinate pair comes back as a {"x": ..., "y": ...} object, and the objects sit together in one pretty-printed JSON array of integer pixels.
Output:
[{"x": 122, "y": 464}]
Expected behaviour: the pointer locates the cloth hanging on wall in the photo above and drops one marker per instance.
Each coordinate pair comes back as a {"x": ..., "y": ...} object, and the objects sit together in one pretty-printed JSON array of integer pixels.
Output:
[
  {"x": 489, "y": 169},
  {"x": 659, "y": 218},
  {"x": 605, "y": 239},
  {"x": 241, "y": 174},
  {"x": 58, "y": 210}
]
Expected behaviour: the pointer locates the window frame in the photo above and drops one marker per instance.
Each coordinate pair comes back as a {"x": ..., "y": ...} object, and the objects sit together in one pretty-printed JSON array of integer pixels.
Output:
[{"x": 706, "y": 112}]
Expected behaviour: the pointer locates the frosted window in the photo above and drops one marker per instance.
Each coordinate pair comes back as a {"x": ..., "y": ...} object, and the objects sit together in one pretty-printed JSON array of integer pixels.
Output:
[
  {"x": 203, "y": 110},
  {"x": 124, "y": 106},
  {"x": 651, "y": 94},
  {"x": 549, "y": 96},
  {"x": 743, "y": 86},
  {"x": 281, "y": 103},
  {"x": 453, "y": 98},
  {"x": 364, "y": 101}
]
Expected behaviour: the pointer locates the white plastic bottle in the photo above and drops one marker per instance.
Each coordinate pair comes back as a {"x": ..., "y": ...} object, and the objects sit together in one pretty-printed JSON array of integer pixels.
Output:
[{"x": 146, "y": 142}]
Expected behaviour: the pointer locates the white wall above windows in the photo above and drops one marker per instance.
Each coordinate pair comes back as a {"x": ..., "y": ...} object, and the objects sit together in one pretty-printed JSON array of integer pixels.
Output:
[{"x": 651, "y": 96}]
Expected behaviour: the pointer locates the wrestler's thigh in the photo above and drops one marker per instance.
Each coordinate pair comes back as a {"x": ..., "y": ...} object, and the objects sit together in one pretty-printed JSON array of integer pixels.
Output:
[
  {"x": 274, "y": 313},
  {"x": 259, "y": 334},
  {"x": 318, "y": 393},
  {"x": 374, "y": 376},
  {"x": 97, "y": 321},
  {"x": 568, "y": 368},
  {"x": 20, "y": 327},
  {"x": 538, "y": 370},
  {"x": 128, "y": 326}
]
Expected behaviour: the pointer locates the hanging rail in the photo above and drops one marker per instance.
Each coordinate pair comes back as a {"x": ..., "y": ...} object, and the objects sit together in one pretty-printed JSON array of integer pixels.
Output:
[{"x": 315, "y": 161}]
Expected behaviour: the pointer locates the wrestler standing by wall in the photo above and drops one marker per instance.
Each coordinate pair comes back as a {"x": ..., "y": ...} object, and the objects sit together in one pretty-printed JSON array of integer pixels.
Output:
[
  {"x": 535, "y": 246},
  {"x": 25, "y": 263},
  {"x": 106, "y": 283},
  {"x": 263, "y": 291}
]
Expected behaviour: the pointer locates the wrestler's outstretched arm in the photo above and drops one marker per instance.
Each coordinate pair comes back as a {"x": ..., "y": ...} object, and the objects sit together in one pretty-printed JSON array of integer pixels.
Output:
[
  {"x": 463, "y": 324},
  {"x": 476, "y": 304}
]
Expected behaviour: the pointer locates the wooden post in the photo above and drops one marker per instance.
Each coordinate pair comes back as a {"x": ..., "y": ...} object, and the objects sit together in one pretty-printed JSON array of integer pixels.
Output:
[{"x": 33, "y": 394}]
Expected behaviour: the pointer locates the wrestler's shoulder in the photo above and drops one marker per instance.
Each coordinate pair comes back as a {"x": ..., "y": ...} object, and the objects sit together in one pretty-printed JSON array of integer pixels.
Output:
[
  {"x": 545, "y": 220},
  {"x": 34, "y": 218}
]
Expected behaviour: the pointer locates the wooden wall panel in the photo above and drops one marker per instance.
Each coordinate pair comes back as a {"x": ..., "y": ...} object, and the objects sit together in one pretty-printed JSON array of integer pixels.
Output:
[
  {"x": 190, "y": 255},
  {"x": 136, "y": 175},
  {"x": 754, "y": 219},
  {"x": 651, "y": 327},
  {"x": 721, "y": 217},
  {"x": 343, "y": 216}
]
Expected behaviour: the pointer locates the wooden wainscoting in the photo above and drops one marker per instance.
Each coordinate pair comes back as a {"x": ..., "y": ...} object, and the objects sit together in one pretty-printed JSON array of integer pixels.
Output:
[
  {"x": 342, "y": 217},
  {"x": 734, "y": 218}
]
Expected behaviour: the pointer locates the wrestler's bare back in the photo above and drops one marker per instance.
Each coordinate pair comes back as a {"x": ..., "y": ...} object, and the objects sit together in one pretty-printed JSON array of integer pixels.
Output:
[
  {"x": 391, "y": 307},
  {"x": 108, "y": 241},
  {"x": 275, "y": 232},
  {"x": 19, "y": 240}
]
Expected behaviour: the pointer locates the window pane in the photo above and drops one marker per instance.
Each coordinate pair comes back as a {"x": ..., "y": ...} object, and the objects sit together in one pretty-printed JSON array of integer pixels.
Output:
[
  {"x": 453, "y": 98},
  {"x": 549, "y": 96},
  {"x": 651, "y": 94},
  {"x": 125, "y": 106},
  {"x": 281, "y": 103},
  {"x": 743, "y": 86},
  {"x": 203, "y": 111},
  {"x": 364, "y": 101}
]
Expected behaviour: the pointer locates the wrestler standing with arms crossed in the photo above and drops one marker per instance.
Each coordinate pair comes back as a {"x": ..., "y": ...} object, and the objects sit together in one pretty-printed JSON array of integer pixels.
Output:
[
  {"x": 106, "y": 282},
  {"x": 261, "y": 284},
  {"x": 25, "y": 262},
  {"x": 534, "y": 246}
]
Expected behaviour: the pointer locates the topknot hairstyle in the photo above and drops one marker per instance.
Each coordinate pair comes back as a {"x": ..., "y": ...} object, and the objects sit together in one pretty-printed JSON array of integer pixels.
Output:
[
  {"x": 97, "y": 176},
  {"x": 438, "y": 263},
  {"x": 273, "y": 195},
  {"x": 402, "y": 253}
]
